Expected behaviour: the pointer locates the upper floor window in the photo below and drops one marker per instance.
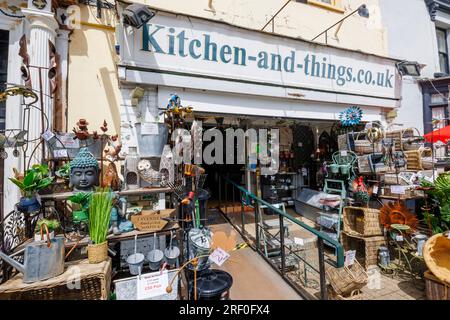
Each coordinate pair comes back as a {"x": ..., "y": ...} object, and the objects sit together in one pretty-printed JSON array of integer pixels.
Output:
[{"x": 442, "y": 49}]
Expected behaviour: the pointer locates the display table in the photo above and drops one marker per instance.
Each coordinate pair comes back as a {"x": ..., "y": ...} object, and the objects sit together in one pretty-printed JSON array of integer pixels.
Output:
[{"x": 80, "y": 281}]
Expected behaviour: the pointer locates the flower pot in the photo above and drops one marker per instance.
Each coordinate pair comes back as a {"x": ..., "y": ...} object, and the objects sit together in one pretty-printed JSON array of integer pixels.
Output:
[
  {"x": 135, "y": 262},
  {"x": 345, "y": 169},
  {"x": 37, "y": 236},
  {"x": 28, "y": 205},
  {"x": 97, "y": 252},
  {"x": 155, "y": 258},
  {"x": 171, "y": 254},
  {"x": 80, "y": 216},
  {"x": 334, "y": 168}
]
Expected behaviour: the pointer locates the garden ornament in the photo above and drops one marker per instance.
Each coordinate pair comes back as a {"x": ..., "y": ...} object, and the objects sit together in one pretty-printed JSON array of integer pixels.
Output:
[{"x": 84, "y": 171}]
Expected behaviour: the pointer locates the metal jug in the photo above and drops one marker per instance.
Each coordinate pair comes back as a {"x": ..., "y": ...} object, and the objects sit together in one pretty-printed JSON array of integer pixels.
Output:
[
  {"x": 420, "y": 239},
  {"x": 42, "y": 260}
]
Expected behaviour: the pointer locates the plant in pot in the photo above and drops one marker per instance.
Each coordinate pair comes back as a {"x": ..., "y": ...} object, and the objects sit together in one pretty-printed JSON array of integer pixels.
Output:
[
  {"x": 52, "y": 226},
  {"x": 80, "y": 215},
  {"x": 35, "y": 179},
  {"x": 100, "y": 204}
]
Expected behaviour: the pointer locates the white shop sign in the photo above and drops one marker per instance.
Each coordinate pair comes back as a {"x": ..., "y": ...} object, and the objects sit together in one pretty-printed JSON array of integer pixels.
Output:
[{"x": 177, "y": 46}]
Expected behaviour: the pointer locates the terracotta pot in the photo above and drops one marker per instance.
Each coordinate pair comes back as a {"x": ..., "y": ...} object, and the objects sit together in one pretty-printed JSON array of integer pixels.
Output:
[{"x": 97, "y": 252}]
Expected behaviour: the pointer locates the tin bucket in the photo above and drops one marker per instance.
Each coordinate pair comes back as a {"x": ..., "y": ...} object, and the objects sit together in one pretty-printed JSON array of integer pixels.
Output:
[
  {"x": 172, "y": 254},
  {"x": 151, "y": 145},
  {"x": 155, "y": 257},
  {"x": 135, "y": 262}
]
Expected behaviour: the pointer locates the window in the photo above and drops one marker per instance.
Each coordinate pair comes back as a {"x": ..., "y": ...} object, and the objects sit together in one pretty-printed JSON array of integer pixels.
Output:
[
  {"x": 442, "y": 49},
  {"x": 334, "y": 5}
]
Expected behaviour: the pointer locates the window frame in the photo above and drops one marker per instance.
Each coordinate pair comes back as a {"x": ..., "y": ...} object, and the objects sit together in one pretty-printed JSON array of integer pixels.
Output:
[
  {"x": 447, "y": 66},
  {"x": 335, "y": 5}
]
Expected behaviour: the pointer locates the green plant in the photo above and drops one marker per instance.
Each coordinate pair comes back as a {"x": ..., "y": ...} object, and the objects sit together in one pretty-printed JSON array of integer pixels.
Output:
[
  {"x": 81, "y": 198},
  {"x": 52, "y": 224},
  {"x": 63, "y": 171},
  {"x": 100, "y": 204},
  {"x": 440, "y": 192},
  {"x": 34, "y": 179}
]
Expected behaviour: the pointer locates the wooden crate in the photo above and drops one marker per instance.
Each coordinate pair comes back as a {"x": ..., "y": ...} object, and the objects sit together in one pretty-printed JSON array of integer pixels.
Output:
[
  {"x": 434, "y": 288},
  {"x": 413, "y": 160},
  {"x": 80, "y": 281},
  {"x": 366, "y": 247},
  {"x": 362, "y": 222}
]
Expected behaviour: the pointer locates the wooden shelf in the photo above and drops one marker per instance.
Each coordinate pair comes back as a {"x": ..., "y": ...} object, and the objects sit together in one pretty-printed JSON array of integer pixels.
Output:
[{"x": 138, "y": 192}]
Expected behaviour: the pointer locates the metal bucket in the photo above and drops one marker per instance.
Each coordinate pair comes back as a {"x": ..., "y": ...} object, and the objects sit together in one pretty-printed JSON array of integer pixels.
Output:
[
  {"x": 172, "y": 255},
  {"x": 155, "y": 257},
  {"x": 151, "y": 145},
  {"x": 135, "y": 262},
  {"x": 200, "y": 245}
]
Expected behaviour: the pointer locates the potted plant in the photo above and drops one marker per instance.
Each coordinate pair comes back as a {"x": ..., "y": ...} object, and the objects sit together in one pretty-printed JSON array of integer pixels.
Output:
[
  {"x": 100, "y": 204},
  {"x": 52, "y": 225},
  {"x": 34, "y": 179},
  {"x": 82, "y": 199}
]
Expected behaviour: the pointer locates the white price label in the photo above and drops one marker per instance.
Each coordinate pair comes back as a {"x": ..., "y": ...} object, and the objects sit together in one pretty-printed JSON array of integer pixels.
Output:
[
  {"x": 299, "y": 241},
  {"x": 149, "y": 128},
  {"x": 68, "y": 142},
  {"x": 350, "y": 257},
  {"x": 219, "y": 256},
  {"x": 375, "y": 189},
  {"x": 152, "y": 285},
  {"x": 61, "y": 153},
  {"x": 344, "y": 153},
  {"x": 47, "y": 135},
  {"x": 399, "y": 237},
  {"x": 398, "y": 189}
]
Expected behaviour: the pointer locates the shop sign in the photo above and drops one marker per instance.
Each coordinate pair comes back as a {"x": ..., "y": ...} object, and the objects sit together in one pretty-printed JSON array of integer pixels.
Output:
[{"x": 219, "y": 51}]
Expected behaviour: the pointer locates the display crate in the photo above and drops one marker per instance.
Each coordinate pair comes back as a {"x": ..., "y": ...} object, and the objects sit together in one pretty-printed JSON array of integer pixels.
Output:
[
  {"x": 434, "y": 288},
  {"x": 366, "y": 247},
  {"x": 362, "y": 222}
]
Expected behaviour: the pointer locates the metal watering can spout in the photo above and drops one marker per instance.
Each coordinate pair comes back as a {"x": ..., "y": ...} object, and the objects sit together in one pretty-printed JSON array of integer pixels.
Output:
[{"x": 20, "y": 267}]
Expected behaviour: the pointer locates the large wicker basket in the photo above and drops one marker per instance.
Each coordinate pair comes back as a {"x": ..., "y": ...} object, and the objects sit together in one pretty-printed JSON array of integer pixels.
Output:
[
  {"x": 362, "y": 221},
  {"x": 363, "y": 146},
  {"x": 354, "y": 295},
  {"x": 413, "y": 160},
  {"x": 345, "y": 280},
  {"x": 402, "y": 139}
]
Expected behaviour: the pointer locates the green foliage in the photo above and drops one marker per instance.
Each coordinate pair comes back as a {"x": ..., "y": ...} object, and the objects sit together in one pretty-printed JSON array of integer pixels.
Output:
[
  {"x": 64, "y": 171},
  {"x": 35, "y": 179},
  {"x": 52, "y": 224},
  {"x": 440, "y": 191},
  {"x": 100, "y": 204},
  {"x": 81, "y": 198}
]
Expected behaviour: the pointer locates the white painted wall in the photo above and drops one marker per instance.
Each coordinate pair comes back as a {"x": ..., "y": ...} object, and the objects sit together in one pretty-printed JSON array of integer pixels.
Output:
[{"x": 410, "y": 36}]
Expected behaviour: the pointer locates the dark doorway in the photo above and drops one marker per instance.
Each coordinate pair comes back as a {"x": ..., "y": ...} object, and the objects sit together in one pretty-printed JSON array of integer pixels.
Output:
[{"x": 4, "y": 42}]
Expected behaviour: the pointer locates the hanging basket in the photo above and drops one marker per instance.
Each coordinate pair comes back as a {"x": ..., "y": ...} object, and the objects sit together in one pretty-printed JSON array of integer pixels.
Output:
[{"x": 97, "y": 252}]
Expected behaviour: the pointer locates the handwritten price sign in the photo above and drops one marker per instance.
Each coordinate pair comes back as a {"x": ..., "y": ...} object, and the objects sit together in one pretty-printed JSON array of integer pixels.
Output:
[
  {"x": 152, "y": 285},
  {"x": 219, "y": 256}
]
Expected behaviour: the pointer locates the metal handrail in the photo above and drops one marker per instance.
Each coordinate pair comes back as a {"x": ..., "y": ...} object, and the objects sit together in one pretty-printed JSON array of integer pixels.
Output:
[{"x": 320, "y": 235}]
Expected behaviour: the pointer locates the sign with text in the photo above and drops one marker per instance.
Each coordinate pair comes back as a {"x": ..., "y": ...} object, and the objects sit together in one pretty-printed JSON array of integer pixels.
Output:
[
  {"x": 219, "y": 256},
  {"x": 196, "y": 47},
  {"x": 149, "y": 220},
  {"x": 152, "y": 285}
]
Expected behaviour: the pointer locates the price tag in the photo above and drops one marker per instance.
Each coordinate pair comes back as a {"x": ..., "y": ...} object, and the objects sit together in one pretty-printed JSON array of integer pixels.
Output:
[
  {"x": 344, "y": 153},
  {"x": 152, "y": 285},
  {"x": 375, "y": 189},
  {"x": 68, "y": 141},
  {"x": 399, "y": 237},
  {"x": 219, "y": 256},
  {"x": 149, "y": 128},
  {"x": 398, "y": 190},
  {"x": 61, "y": 153},
  {"x": 350, "y": 257},
  {"x": 299, "y": 241},
  {"x": 47, "y": 135}
]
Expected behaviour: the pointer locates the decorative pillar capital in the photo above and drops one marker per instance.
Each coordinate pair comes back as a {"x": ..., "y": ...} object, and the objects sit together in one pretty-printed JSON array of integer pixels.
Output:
[{"x": 42, "y": 20}]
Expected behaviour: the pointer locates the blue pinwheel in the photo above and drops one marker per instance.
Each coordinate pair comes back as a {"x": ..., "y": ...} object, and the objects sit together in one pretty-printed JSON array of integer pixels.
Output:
[{"x": 350, "y": 116}]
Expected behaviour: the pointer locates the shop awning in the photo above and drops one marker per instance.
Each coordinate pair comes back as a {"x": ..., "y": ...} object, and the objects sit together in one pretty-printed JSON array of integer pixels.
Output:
[{"x": 442, "y": 134}]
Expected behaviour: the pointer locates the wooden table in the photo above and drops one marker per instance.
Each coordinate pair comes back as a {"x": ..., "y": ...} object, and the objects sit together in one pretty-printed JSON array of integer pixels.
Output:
[{"x": 80, "y": 281}]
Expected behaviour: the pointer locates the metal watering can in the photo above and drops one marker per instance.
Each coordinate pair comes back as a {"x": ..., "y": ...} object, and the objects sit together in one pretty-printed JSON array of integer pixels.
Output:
[
  {"x": 42, "y": 260},
  {"x": 420, "y": 239}
]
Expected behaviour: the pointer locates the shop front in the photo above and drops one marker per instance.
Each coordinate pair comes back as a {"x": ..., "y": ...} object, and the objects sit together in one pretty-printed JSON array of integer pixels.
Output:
[{"x": 240, "y": 78}]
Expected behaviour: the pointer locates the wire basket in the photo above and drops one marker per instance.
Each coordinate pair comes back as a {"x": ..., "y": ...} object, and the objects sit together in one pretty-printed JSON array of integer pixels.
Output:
[{"x": 347, "y": 279}]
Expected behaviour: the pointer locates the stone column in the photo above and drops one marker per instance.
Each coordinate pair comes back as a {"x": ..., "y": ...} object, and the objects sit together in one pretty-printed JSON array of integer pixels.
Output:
[{"x": 42, "y": 26}]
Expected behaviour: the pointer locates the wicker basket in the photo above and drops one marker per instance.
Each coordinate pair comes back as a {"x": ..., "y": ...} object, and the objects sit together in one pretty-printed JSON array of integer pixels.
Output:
[
  {"x": 354, "y": 295},
  {"x": 403, "y": 137},
  {"x": 362, "y": 221},
  {"x": 363, "y": 146},
  {"x": 413, "y": 160},
  {"x": 94, "y": 284},
  {"x": 97, "y": 252},
  {"x": 409, "y": 193},
  {"x": 403, "y": 178},
  {"x": 366, "y": 247},
  {"x": 435, "y": 289},
  {"x": 346, "y": 280},
  {"x": 365, "y": 164}
]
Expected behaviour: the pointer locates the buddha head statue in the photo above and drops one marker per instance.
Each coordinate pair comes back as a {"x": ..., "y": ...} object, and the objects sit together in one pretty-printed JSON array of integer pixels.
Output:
[{"x": 84, "y": 171}]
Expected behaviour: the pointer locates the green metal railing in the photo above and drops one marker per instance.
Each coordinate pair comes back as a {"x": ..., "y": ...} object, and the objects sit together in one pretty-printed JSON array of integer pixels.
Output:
[{"x": 249, "y": 198}]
